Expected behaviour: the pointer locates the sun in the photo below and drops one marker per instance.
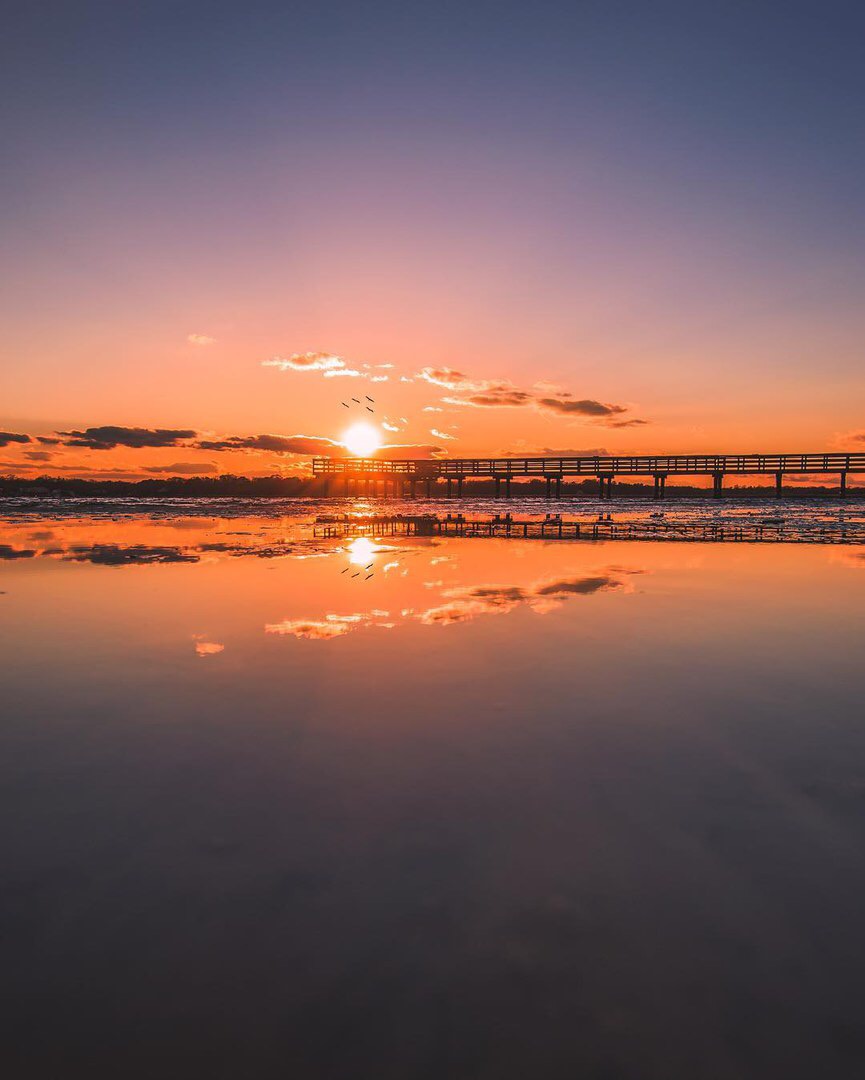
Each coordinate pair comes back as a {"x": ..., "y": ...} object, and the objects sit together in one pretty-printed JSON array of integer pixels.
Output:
[{"x": 361, "y": 440}]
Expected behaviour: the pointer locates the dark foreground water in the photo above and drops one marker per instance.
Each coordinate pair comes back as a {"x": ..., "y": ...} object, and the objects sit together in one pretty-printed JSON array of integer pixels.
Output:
[{"x": 274, "y": 806}]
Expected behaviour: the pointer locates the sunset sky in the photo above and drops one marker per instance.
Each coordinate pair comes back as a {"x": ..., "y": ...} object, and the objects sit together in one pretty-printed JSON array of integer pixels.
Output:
[{"x": 557, "y": 227}]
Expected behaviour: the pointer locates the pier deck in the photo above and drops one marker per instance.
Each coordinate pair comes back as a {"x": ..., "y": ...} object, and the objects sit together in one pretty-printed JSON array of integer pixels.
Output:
[{"x": 400, "y": 477}]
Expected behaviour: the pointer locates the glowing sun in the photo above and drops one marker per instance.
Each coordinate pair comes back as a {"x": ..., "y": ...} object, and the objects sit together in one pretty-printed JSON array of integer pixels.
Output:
[{"x": 361, "y": 440}]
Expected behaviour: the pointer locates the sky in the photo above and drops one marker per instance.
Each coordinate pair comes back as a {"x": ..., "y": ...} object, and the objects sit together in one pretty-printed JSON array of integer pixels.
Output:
[{"x": 546, "y": 228}]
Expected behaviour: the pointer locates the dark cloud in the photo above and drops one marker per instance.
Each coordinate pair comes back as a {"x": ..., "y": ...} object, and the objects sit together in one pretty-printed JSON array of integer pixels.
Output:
[
  {"x": 46, "y": 440},
  {"x": 38, "y": 455},
  {"x": 135, "y": 554},
  {"x": 496, "y": 397},
  {"x": 110, "y": 436},
  {"x": 276, "y": 444},
  {"x": 577, "y": 586},
  {"x": 627, "y": 423},
  {"x": 183, "y": 468},
  {"x": 7, "y": 437},
  {"x": 580, "y": 407},
  {"x": 7, "y": 553}
]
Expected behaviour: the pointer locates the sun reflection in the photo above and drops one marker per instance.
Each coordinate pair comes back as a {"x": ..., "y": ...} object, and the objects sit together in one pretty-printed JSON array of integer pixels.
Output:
[{"x": 361, "y": 551}]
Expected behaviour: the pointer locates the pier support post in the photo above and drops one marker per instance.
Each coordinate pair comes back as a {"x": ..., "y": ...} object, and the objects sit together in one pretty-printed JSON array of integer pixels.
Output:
[
  {"x": 412, "y": 488},
  {"x": 507, "y": 487},
  {"x": 459, "y": 487},
  {"x": 450, "y": 488},
  {"x": 558, "y": 487},
  {"x": 549, "y": 484},
  {"x": 779, "y": 484},
  {"x": 498, "y": 487},
  {"x": 660, "y": 485},
  {"x": 842, "y": 490},
  {"x": 429, "y": 487},
  {"x": 718, "y": 484}
]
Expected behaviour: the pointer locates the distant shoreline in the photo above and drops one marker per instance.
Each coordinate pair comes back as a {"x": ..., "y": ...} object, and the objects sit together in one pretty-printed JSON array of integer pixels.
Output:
[{"x": 282, "y": 487}]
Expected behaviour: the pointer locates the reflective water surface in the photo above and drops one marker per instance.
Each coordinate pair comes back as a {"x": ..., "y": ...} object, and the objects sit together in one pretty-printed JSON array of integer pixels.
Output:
[{"x": 275, "y": 805}]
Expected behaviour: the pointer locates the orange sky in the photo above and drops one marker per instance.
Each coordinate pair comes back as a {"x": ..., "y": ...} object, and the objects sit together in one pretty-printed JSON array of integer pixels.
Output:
[{"x": 662, "y": 220}]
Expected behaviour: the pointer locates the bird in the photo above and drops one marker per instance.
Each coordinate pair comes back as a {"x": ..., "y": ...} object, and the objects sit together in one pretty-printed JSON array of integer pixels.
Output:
[
  {"x": 356, "y": 399},
  {"x": 368, "y": 576},
  {"x": 346, "y": 570},
  {"x": 368, "y": 398},
  {"x": 368, "y": 409},
  {"x": 343, "y": 404},
  {"x": 356, "y": 575},
  {"x": 369, "y": 567}
]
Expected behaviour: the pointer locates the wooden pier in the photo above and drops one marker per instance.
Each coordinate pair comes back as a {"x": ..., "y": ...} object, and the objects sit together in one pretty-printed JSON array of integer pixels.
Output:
[
  {"x": 554, "y": 527},
  {"x": 401, "y": 478}
]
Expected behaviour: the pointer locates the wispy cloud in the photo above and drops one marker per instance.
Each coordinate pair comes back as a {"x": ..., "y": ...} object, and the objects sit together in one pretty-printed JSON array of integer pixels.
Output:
[
  {"x": 309, "y": 361},
  {"x": 200, "y": 340},
  {"x": 440, "y": 434},
  {"x": 184, "y": 468}
]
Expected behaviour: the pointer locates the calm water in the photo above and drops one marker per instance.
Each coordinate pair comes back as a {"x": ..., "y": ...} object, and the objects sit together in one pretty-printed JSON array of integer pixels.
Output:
[{"x": 274, "y": 806}]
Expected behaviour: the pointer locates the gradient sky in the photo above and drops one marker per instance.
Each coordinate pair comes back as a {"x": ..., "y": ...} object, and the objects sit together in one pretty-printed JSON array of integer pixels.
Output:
[{"x": 655, "y": 209}]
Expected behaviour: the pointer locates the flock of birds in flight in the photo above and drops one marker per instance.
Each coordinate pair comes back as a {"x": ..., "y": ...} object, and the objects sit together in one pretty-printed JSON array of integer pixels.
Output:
[{"x": 359, "y": 402}]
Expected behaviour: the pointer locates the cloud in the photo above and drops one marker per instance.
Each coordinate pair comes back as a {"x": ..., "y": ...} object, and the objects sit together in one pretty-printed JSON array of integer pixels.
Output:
[
  {"x": 134, "y": 554},
  {"x": 379, "y": 378},
  {"x": 391, "y": 427},
  {"x": 8, "y": 554},
  {"x": 203, "y": 647},
  {"x": 495, "y": 397},
  {"x": 467, "y": 603},
  {"x": 108, "y": 437},
  {"x": 350, "y": 373},
  {"x": 502, "y": 394},
  {"x": 582, "y": 407},
  {"x": 183, "y": 468},
  {"x": 432, "y": 408},
  {"x": 441, "y": 434},
  {"x": 276, "y": 444},
  {"x": 48, "y": 441},
  {"x": 200, "y": 340},
  {"x": 322, "y": 630},
  {"x": 7, "y": 437},
  {"x": 447, "y": 377},
  {"x": 310, "y": 361},
  {"x": 38, "y": 455}
]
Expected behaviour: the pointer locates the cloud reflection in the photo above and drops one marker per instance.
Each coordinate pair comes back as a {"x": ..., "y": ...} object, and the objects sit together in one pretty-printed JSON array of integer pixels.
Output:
[{"x": 331, "y": 626}]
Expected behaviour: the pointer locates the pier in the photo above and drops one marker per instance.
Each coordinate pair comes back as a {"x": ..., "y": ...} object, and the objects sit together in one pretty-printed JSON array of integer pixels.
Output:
[
  {"x": 453, "y": 476},
  {"x": 554, "y": 527}
]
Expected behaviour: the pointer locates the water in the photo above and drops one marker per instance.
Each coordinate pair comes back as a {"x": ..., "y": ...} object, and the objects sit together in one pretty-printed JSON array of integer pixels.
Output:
[{"x": 280, "y": 806}]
